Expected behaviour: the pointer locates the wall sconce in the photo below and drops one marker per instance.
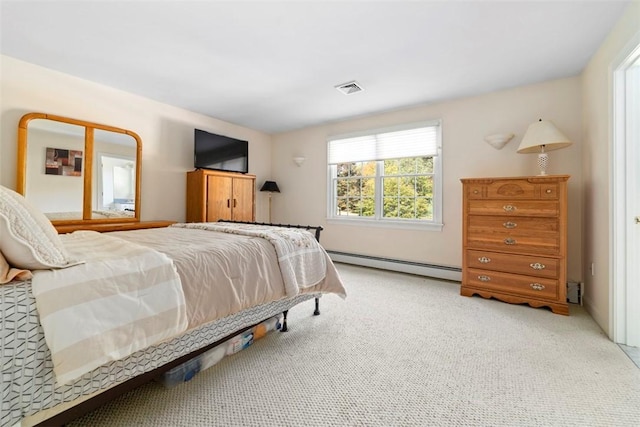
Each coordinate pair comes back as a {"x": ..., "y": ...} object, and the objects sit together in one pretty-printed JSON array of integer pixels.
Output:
[
  {"x": 498, "y": 140},
  {"x": 542, "y": 135},
  {"x": 299, "y": 160}
]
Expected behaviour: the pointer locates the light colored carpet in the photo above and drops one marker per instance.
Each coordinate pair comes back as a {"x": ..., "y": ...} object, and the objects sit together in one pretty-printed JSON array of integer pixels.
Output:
[{"x": 403, "y": 350}]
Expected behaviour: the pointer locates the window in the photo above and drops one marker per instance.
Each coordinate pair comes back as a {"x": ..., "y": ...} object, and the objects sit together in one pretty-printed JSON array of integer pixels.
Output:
[{"x": 389, "y": 177}]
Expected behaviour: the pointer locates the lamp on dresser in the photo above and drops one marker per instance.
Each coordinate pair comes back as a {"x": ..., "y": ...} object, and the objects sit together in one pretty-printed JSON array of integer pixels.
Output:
[
  {"x": 271, "y": 187},
  {"x": 542, "y": 136}
]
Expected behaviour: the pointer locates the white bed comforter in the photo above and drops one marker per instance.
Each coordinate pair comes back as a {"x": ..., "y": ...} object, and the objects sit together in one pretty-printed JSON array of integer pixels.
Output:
[
  {"x": 225, "y": 273},
  {"x": 124, "y": 298},
  {"x": 301, "y": 259}
]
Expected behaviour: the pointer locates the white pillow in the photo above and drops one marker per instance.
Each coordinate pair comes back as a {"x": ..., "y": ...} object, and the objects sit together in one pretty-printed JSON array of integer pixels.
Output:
[{"x": 27, "y": 238}]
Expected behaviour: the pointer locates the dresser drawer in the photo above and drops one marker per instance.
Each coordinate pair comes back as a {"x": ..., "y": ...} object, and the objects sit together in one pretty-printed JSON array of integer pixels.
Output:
[
  {"x": 514, "y": 189},
  {"x": 517, "y": 189},
  {"x": 549, "y": 191},
  {"x": 536, "y": 287},
  {"x": 513, "y": 235},
  {"x": 497, "y": 224},
  {"x": 518, "y": 243},
  {"x": 531, "y": 208},
  {"x": 518, "y": 264}
]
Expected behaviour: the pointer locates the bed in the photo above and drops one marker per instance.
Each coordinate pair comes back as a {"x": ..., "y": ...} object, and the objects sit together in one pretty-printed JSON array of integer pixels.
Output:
[{"x": 254, "y": 280}]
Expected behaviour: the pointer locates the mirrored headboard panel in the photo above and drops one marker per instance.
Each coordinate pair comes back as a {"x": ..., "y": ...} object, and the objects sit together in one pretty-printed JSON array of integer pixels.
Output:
[{"x": 79, "y": 172}]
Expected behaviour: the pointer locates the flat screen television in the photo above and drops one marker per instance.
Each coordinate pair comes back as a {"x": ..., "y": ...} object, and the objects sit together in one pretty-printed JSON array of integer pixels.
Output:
[{"x": 220, "y": 152}]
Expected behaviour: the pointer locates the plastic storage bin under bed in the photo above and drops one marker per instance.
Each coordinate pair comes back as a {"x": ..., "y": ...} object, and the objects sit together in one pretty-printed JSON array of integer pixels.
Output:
[{"x": 189, "y": 369}]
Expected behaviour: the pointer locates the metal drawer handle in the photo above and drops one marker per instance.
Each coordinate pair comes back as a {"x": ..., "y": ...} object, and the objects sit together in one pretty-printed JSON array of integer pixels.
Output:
[
  {"x": 484, "y": 278},
  {"x": 548, "y": 191},
  {"x": 484, "y": 260},
  {"x": 509, "y": 208},
  {"x": 537, "y": 266},
  {"x": 509, "y": 224},
  {"x": 509, "y": 241},
  {"x": 536, "y": 286},
  {"x": 475, "y": 192}
]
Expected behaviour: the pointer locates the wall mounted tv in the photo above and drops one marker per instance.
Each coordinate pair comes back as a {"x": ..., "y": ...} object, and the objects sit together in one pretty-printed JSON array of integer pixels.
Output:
[{"x": 220, "y": 152}]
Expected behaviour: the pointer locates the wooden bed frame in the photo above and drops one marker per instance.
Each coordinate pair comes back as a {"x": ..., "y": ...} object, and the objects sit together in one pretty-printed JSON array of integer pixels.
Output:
[{"x": 101, "y": 399}]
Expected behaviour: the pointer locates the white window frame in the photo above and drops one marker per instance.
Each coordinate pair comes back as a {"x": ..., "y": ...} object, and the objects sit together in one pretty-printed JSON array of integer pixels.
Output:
[{"x": 434, "y": 224}]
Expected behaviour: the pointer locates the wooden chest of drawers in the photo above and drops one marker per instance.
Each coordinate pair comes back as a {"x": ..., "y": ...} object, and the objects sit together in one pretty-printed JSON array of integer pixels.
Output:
[{"x": 515, "y": 240}]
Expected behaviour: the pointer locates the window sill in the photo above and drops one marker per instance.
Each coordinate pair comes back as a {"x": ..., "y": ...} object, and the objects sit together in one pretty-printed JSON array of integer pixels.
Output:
[{"x": 407, "y": 225}]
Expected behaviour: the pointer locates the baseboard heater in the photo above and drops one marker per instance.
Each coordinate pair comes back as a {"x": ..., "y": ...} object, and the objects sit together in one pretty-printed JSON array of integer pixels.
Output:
[{"x": 411, "y": 267}]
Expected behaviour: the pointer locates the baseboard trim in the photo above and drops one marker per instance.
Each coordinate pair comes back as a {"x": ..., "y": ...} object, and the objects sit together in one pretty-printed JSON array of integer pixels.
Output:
[{"x": 411, "y": 267}]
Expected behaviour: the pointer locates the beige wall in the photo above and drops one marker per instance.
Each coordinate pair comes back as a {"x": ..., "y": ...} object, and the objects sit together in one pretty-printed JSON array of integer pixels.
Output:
[
  {"x": 465, "y": 122},
  {"x": 580, "y": 106},
  {"x": 166, "y": 131},
  {"x": 596, "y": 165}
]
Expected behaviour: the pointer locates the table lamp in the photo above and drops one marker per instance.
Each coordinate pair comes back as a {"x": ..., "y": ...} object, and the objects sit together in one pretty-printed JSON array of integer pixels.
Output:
[
  {"x": 543, "y": 136},
  {"x": 271, "y": 187}
]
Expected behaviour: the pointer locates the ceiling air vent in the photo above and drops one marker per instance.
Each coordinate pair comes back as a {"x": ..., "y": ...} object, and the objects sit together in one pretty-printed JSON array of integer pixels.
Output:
[{"x": 349, "y": 88}]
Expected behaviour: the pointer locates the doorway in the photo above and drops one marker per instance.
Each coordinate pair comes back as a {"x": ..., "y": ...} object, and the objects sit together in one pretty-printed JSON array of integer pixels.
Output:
[
  {"x": 625, "y": 298},
  {"x": 116, "y": 183}
]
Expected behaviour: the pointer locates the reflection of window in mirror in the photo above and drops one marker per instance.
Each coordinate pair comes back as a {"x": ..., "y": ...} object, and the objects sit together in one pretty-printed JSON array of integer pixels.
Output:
[
  {"x": 117, "y": 185},
  {"x": 123, "y": 183},
  {"x": 115, "y": 175}
]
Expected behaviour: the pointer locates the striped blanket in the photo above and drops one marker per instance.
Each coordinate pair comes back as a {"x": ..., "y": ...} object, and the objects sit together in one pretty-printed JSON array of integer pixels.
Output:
[
  {"x": 301, "y": 259},
  {"x": 123, "y": 298}
]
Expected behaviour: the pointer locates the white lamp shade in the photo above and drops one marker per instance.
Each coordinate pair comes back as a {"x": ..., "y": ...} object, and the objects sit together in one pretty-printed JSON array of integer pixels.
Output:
[{"x": 543, "y": 133}]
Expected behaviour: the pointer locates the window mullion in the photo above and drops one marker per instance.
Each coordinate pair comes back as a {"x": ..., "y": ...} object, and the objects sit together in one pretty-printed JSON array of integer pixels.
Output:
[
  {"x": 378, "y": 189},
  {"x": 360, "y": 197}
]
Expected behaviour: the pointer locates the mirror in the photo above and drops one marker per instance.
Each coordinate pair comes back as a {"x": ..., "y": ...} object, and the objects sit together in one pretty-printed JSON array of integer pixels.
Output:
[
  {"x": 78, "y": 172},
  {"x": 114, "y": 177}
]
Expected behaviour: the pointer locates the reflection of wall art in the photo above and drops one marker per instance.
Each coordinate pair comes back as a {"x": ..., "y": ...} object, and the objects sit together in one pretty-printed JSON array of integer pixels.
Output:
[{"x": 63, "y": 162}]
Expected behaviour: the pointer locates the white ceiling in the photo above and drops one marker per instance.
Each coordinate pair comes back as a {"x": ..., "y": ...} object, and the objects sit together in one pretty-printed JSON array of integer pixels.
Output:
[{"x": 273, "y": 65}]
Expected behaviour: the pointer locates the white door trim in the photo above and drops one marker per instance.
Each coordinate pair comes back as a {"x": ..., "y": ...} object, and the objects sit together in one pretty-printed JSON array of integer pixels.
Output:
[{"x": 624, "y": 250}]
